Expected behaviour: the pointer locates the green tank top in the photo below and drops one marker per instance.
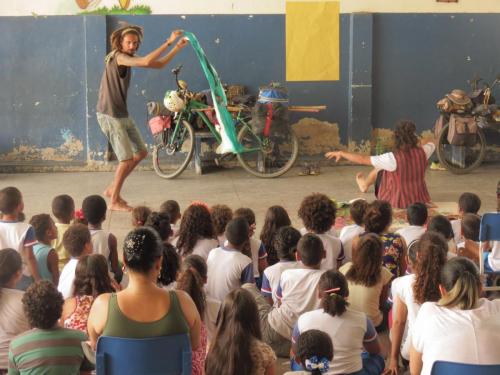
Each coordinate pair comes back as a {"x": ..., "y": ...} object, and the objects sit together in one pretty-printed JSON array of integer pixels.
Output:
[{"x": 118, "y": 325}]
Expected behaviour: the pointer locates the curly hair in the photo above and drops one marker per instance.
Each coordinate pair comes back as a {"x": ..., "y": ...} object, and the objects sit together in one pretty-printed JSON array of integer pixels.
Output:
[
  {"x": 139, "y": 215},
  {"x": 276, "y": 218},
  {"x": 92, "y": 276},
  {"x": 378, "y": 216},
  {"x": 314, "y": 343},
  {"x": 196, "y": 224},
  {"x": 75, "y": 238},
  {"x": 42, "y": 304},
  {"x": 221, "y": 215},
  {"x": 431, "y": 257},
  {"x": 366, "y": 261},
  {"x": 317, "y": 211},
  {"x": 405, "y": 136},
  {"x": 41, "y": 223}
]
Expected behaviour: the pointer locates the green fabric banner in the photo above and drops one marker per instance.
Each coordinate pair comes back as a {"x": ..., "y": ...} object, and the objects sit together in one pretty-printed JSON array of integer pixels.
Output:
[{"x": 228, "y": 130}]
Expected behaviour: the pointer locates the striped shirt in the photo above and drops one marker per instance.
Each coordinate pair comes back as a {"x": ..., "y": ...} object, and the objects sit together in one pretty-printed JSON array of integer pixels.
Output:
[{"x": 55, "y": 351}]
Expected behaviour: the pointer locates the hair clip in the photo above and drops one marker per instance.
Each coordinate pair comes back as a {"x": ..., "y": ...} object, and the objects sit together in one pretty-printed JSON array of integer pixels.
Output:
[
  {"x": 332, "y": 291},
  {"x": 314, "y": 363}
]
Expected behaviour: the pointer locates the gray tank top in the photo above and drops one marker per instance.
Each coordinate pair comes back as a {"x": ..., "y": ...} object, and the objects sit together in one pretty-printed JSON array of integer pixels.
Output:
[{"x": 113, "y": 90}]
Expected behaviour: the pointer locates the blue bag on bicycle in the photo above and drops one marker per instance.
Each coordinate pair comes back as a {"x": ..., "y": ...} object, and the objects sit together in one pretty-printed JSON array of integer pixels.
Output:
[{"x": 274, "y": 93}]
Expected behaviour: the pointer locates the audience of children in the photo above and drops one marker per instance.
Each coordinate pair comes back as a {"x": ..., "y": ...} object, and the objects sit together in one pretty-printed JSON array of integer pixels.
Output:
[
  {"x": 91, "y": 280},
  {"x": 46, "y": 257},
  {"x": 63, "y": 209},
  {"x": 468, "y": 203},
  {"x": 221, "y": 215},
  {"x": 196, "y": 233},
  {"x": 12, "y": 318},
  {"x": 238, "y": 347},
  {"x": 276, "y": 218},
  {"x": 317, "y": 212},
  {"x": 349, "y": 232},
  {"x": 17, "y": 235},
  {"x": 221, "y": 263}
]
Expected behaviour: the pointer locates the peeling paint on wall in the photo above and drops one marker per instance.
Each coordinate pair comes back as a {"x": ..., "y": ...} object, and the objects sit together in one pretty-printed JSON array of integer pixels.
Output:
[{"x": 317, "y": 137}]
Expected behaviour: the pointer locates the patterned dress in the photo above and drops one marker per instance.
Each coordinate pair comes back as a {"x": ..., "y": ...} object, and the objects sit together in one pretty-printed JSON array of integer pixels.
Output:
[
  {"x": 393, "y": 252},
  {"x": 200, "y": 354},
  {"x": 78, "y": 319}
]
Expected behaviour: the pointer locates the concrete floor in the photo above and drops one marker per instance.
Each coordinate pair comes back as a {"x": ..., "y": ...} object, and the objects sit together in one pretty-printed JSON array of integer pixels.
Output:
[{"x": 235, "y": 188}]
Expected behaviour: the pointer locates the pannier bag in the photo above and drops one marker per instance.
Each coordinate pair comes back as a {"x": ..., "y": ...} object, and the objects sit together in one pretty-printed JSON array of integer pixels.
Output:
[
  {"x": 462, "y": 131},
  {"x": 158, "y": 125},
  {"x": 270, "y": 113}
]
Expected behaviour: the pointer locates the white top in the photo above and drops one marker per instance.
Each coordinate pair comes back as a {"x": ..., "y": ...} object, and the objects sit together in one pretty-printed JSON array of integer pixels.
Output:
[
  {"x": 228, "y": 269},
  {"x": 348, "y": 333},
  {"x": 12, "y": 321},
  {"x": 221, "y": 239},
  {"x": 466, "y": 336},
  {"x": 411, "y": 233},
  {"x": 494, "y": 256},
  {"x": 456, "y": 225},
  {"x": 17, "y": 235},
  {"x": 402, "y": 287},
  {"x": 347, "y": 234},
  {"x": 258, "y": 252},
  {"x": 298, "y": 290},
  {"x": 212, "y": 309},
  {"x": 272, "y": 275},
  {"x": 100, "y": 242},
  {"x": 333, "y": 249},
  {"x": 67, "y": 277},
  {"x": 388, "y": 162},
  {"x": 202, "y": 247}
]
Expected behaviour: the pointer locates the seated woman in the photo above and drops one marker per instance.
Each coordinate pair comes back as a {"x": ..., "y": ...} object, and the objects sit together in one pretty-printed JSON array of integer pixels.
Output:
[
  {"x": 461, "y": 326},
  {"x": 143, "y": 309},
  {"x": 351, "y": 331},
  {"x": 91, "y": 279},
  {"x": 399, "y": 176}
]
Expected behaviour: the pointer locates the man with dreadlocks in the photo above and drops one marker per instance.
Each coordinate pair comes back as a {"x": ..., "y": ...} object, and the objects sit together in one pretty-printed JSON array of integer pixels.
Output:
[
  {"x": 399, "y": 176},
  {"x": 112, "y": 112}
]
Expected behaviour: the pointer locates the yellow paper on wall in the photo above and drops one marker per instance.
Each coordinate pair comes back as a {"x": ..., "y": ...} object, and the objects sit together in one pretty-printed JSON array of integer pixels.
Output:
[{"x": 312, "y": 41}]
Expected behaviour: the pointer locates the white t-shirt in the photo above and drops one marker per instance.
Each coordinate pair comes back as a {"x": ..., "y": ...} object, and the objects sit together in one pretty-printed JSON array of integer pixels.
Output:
[
  {"x": 388, "y": 162},
  {"x": 12, "y": 321},
  {"x": 298, "y": 291},
  {"x": 402, "y": 287},
  {"x": 17, "y": 235},
  {"x": 411, "y": 233},
  {"x": 456, "y": 225},
  {"x": 67, "y": 277},
  {"x": 212, "y": 309},
  {"x": 228, "y": 269},
  {"x": 272, "y": 275},
  {"x": 347, "y": 234},
  {"x": 465, "y": 336},
  {"x": 202, "y": 247},
  {"x": 258, "y": 252},
  {"x": 348, "y": 333},
  {"x": 100, "y": 242},
  {"x": 333, "y": 249},
  {"x": 494, "y": 256}
]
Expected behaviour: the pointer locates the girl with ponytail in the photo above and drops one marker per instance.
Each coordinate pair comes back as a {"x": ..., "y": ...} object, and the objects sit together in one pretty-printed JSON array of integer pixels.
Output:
[
  {"x": 411, "y": 291},
  {"x": 350, "y": 331},
  {"x": 461, "y": 326}
]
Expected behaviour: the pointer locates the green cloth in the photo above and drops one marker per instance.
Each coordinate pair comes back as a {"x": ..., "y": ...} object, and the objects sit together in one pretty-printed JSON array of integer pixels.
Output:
[
  {"x": 118, "y": 325},
  {"x": 55, "y": 351},
  {"x": 229, "y": 137}
]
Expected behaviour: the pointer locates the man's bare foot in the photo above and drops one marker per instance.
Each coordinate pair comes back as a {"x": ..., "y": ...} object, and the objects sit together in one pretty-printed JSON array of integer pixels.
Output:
[
  {"x": 361, "y": 181},
  {"x": 108, "y": 193},
  {"x": 119, "y": 206}
]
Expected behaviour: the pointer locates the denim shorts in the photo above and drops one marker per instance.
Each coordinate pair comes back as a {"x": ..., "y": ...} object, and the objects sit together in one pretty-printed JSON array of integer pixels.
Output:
[{"x": 123, "y": 135}]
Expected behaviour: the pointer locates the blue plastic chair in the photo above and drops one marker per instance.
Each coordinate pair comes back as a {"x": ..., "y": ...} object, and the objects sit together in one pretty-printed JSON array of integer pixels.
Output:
[
  {"x": 452, "y": 368},
  {"x": 488, "y": 231},
  {"x": 166, "y": 355}
]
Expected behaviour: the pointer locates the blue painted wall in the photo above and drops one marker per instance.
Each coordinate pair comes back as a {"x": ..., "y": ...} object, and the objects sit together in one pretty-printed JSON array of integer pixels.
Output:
[{"x": 51, "y": 69}]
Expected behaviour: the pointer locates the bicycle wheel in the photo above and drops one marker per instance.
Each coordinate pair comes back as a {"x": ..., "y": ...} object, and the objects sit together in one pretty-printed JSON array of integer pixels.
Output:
[
  {"x": 267, "y": 157},
  {"x": 172, "y": 156},
  {"x": 460, "y": 159}
]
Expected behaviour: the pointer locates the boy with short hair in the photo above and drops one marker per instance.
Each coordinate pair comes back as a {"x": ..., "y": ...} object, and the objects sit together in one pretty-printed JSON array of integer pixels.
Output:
[
  {"x": 17, "y": 235},
  {"x": 78, "y": 242},
  {"x": 470, "y": 231},
  {"x": 257, "y": 248},
  {"x": 297, "y": 293},
  {"x": 285, "y": 243},
  {"x": 94, "y": 209},
  {"x": 63, "y": 209},
  {"x": 442, "y": 224},
  {"x": 468, "y": 203},
  {"x": 317, "y": 212},
  {"x": 227, "y": 267},
  {"x": 416, "y": 215},
  {"x": 349, "y": 232},
  {"x": 47, "y": 348},
  {"x": 46, "y": 256}
]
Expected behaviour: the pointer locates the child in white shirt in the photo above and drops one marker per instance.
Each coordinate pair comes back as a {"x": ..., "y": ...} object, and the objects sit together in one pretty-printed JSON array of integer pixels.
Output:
[
  {"x": 416, "y": 215},
  {"x": 349, "y": 232},
  {"x": 468, "y": 203}
]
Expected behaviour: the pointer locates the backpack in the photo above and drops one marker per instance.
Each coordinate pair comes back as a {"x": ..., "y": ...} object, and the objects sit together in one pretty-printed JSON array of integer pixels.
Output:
[{"x": 462, "y": 130}]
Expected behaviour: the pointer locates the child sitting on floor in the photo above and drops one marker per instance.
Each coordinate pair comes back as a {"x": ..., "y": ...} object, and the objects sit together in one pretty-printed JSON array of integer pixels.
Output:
[
  {"x": 140, "y": 215},
  {"x": 46, "y": 257},
  {"x": 276, "y": 218},
  {"x": 349, "y": 232},
  {"x": 416, "y": 215},
  {"x": 221, "y": 215},
  {"x": 468, "y": 203},
  {"x": 63, "y": 209},
  {"x": 173, "y": 210},
  {"x": 314, "y": 351},
  {"x": 317, "y": 212},
  {"x": 441, "y": 224},
  {"x": 470, "y": 232}
]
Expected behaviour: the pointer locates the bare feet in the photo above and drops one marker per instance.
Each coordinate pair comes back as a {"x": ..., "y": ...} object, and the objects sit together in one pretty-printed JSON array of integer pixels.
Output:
[
  {"x": 361, "y": 181},
  {"x": 120, "y": 206},
  {"x": 108, "y": 193}
]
